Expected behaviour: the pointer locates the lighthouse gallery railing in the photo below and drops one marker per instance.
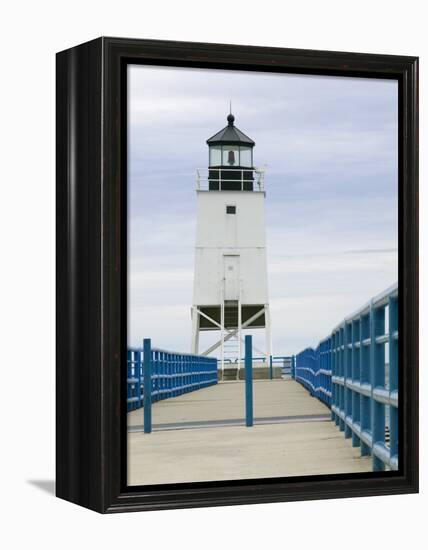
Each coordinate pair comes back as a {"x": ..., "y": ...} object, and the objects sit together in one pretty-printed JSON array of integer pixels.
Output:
[
  {"x": 222, "y": 176},
  {"x": 355, "y": 371}
]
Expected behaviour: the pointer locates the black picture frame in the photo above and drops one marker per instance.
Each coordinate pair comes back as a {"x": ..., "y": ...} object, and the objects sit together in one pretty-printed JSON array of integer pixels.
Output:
[{"x": 91, "y": 273}]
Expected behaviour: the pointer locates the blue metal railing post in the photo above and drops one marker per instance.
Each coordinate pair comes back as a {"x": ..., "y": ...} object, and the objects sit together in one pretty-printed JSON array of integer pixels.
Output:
[
  {"x": 270, "y": 368},
  {"x": 147, "y": 381},
  {"x": 342, "y": 385},
  {"x": 248, "y": 380},
  {"x": 347, "y": 405},
  {"x": 377, "y": 371},
  {"x": 137, "y": 354},
  {"x": 129, "y": 377},
  {"x": 355, "y": 375},
  {"x": 393, "y": 374},
  {"x": 333, "y": 374},
  {"x": 365, "y": 411}
]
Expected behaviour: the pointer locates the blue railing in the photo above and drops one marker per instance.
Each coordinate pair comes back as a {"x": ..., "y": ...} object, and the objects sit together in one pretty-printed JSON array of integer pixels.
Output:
[
  {"x": 313, "y": 370},
  {"x": 283, "y": 361},
  {"x": 359, "y": 362},
  {"x": 171, "y": 374}
]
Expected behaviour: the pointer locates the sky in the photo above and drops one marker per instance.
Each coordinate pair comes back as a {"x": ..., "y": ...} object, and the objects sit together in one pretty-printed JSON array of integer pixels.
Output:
[{"x": 329, "y": 147}]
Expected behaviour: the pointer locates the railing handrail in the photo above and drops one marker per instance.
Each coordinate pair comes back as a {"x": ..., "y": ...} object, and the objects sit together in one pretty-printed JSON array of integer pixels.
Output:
[
  {"x": 134, "y": 348},
  {"x": 203, "y": 175}
]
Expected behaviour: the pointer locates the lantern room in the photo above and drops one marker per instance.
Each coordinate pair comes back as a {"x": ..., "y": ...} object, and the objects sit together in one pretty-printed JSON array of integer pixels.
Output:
[{"x": 231, "y": 164}]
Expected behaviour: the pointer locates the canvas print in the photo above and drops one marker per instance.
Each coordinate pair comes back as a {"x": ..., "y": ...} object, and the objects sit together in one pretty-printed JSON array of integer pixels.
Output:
[{"x": 262, "y": 328}]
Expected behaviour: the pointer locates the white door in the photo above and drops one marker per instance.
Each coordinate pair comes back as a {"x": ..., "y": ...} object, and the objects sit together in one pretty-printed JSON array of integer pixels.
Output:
[{"x": 231, "y": 277}]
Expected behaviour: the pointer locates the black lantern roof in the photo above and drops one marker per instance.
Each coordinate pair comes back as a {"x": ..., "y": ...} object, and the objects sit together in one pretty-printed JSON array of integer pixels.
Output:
[{"x": 230, "y": 135}]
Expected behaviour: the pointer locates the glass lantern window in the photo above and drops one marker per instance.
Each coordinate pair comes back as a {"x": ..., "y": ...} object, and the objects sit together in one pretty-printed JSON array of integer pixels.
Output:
[
  {"x": 215, "y": 155},
  {"x": 246, "y": 156}
]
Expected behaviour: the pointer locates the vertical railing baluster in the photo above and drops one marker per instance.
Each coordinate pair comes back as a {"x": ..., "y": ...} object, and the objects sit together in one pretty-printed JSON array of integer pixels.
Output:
[
  {"x": 137, "y": 362},
  {"x": 128, "y": 384},
  {"x": 333, "y": 374},
  {"x": 377, "y": 368},
  {"x": 365, "y": 408},
  {"x": 340, "y": 387},
  {"x": 355, "y": 380},
  {"x": 393, "y": 375},
  {"x": 330, "y": 358},
  {"x": 169, "y": 375},
  {"x": 147, "y": 364},
  {"x": 347, "y": 392},
  {"x": 175, "y": 379}
]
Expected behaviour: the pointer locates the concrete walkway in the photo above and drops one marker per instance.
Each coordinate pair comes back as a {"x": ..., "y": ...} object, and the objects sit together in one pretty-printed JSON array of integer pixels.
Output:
[
  {"x": 225, "y": 401},
  {"x": 207, "y": 454},
  {"x": 301, "y": 442}
]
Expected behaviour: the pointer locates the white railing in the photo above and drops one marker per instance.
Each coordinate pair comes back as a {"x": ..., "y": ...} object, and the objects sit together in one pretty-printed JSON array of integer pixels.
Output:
[{"x": 256, "y": 176}]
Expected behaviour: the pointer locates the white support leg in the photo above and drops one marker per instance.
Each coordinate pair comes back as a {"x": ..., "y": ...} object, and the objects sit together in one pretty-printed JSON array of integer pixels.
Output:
[
  {"x": 239, "y": 332},
  {"x": 222, "y": 337},
  {"x": 195, "y": 330}
]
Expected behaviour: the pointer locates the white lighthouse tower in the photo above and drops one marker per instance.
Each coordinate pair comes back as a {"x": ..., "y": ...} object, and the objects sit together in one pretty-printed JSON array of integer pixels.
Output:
[{"x": 230, "y": 284}]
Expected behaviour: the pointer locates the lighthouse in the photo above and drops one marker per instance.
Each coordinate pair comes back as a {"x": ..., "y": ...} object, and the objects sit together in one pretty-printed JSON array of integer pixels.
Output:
[{"x": 230, "y": 292}]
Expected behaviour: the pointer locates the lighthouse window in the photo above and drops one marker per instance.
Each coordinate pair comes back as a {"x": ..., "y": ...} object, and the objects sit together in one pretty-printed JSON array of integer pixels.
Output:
[
  {"x": 215, "y": 155},
  {"x": 230, "y": 209},
  {"x": 230, "y": 155},
  {"x": 245, "y": 156}
]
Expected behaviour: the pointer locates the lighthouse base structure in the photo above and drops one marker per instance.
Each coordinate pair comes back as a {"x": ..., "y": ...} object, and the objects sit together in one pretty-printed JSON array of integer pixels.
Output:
[{"x": 231, "y": 318}]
